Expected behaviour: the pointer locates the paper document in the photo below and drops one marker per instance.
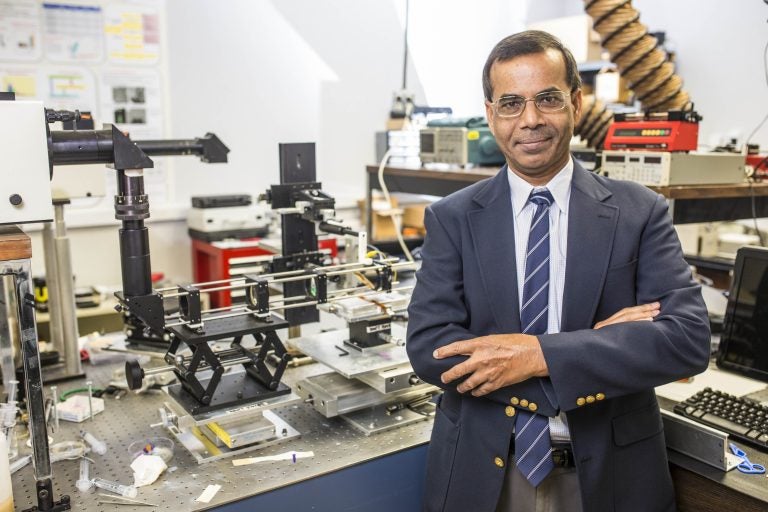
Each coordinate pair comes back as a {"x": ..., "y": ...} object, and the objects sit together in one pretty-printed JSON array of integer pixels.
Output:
[
  {"x": 713, "y": 378},
  {"x": 271, "y": 458},
  {"x": 208, "y": 493}
]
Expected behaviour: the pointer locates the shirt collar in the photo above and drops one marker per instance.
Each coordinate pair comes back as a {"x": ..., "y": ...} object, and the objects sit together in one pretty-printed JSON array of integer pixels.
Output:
[{"x": 559, "y": 186}]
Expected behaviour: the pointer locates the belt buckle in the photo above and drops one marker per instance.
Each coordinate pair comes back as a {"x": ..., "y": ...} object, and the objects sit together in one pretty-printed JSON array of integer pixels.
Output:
[{"x": 562, "y": 457}]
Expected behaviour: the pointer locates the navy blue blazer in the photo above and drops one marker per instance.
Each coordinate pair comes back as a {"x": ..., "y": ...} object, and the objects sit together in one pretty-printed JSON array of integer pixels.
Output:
[{"x": 622, "y": 251}]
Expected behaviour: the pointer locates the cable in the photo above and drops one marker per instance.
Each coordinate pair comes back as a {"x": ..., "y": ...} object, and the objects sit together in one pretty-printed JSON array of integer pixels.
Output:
[
  {"x": 367, "y": 282},
  {"x": 765, "y": 70},
  {"x": 394, "y": 215},
  {"x": 746, "y": 149},
  {"x": 762, "y": 163},
  {"x": 96, "y": 392}
]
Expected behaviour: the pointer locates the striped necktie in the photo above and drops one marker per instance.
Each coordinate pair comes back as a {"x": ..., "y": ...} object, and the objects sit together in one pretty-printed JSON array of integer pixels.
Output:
[{"x": 533, "y": 448}]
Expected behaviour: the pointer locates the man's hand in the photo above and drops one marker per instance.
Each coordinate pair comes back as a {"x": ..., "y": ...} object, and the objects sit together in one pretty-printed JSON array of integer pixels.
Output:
[
  {"x": 632, "y": 314},
  {"x": 494, "y": 361},
  {"x": 501, "y": 360}
]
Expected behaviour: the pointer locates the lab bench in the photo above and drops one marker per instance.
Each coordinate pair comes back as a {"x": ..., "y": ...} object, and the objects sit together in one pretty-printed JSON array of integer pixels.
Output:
[
  {"x": 349, "y": 471},
  {"x": 688, "y": 203}
]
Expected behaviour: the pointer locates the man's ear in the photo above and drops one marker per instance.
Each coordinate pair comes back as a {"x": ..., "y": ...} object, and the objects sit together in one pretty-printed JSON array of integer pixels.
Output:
[
  {"x": 576, "y": 100},
  {"x": 489, "y": 115}
]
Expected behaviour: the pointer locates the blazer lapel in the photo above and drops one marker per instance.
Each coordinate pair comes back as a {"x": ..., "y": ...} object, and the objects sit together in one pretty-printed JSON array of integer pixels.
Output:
[
  {"x": 493, "y": 238},
  {"x": 591, "y": 230}
]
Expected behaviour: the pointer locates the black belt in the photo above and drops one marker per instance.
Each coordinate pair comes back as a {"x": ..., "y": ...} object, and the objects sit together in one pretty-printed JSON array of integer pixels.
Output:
[{"x": 562, "y": 455}]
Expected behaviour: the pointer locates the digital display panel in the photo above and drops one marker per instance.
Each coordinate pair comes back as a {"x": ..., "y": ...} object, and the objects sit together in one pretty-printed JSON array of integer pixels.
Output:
[
  {"x": 744, "y": 341},
  {"x": 642, "y": 132}
]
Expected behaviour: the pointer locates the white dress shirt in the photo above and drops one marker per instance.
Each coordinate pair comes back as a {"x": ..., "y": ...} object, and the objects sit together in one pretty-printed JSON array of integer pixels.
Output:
[{"x": 560, "y": 188}]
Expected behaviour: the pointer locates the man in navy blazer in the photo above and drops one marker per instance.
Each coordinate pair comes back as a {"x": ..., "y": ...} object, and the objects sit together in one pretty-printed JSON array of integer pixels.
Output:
[{"x": 617, "y": 259}]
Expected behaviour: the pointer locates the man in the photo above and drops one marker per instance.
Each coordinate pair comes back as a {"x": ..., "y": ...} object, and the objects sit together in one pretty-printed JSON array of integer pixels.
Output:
[{"x": 542, "y": 402}]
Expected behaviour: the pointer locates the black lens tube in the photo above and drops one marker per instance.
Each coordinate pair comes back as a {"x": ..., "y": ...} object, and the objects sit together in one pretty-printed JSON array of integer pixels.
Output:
[
  {"x": 132, "y": 207},
  {"x": 81, "y": 147}
]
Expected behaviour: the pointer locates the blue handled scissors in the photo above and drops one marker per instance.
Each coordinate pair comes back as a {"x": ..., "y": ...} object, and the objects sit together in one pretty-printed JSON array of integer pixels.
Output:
[{"x": 746, "y": 466}]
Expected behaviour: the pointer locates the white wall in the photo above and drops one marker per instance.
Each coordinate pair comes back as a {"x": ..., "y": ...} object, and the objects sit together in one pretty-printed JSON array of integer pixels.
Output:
[
  {"x": 449, "y": 42},
  {"x": 260, "y": 72},
  {"x": 719, "y": 48},
  {"x": 263, "y": 72}
]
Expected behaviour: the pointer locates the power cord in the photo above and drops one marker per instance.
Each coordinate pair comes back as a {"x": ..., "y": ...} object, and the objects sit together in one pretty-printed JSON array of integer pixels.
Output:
[
  {"x": 765, "y": 71},
  {"x": 393, "y": 214}
]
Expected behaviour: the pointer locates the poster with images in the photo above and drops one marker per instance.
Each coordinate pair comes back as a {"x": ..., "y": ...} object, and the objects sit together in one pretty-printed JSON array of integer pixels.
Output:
[
  {"x": 70, "y": 88},
  {"x": 95, "y": 56},
  {"x": 24, "y": 81},
  {"x": 62, "y": 88},
  {"x": 20, "y": 30},
  {"x": 73, "y": 33},
  {"x": 132, "y": 34},
  {"x": 132, "y": 99}
]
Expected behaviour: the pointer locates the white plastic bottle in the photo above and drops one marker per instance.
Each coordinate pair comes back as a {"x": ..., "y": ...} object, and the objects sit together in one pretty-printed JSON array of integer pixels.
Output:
[{"x": 6, "y": 491}]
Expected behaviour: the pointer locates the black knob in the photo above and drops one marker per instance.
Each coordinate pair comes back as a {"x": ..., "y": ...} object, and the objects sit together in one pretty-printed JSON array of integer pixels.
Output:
[
  {"x": 61, "y": 115},
  {"x": 133, "y": 374},
  {"x": 15, "y": 199}
]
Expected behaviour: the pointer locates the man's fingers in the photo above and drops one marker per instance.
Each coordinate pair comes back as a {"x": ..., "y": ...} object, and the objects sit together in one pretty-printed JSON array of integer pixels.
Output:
[
  {"x": 467, "y": 385},
  {"x": 484, "y": 389},
  {"x": 475, "y": 380},
  {"x": 454, "y": 349},
  {"x": 636, "y": 314},
  {"x": 632, "y": 314},
  {"x": 458, "y": 371}
]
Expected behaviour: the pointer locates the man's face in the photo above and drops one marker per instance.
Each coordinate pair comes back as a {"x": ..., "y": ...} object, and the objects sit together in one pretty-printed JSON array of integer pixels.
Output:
[{"x": 535, "y": 144}]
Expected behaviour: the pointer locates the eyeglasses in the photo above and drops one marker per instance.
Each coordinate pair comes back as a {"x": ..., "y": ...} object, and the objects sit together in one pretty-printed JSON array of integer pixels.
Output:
[{"x": 513, "y": 106}]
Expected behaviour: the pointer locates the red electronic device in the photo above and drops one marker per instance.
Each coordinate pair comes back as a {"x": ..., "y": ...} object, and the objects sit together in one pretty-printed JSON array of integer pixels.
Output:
[
  {"x": 664, "y": 131},
  {"x": 760, "y": 164}
]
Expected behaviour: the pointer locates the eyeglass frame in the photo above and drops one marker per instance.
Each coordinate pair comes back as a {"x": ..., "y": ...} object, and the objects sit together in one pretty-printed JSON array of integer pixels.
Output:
[{"x": 494, "y": 104}]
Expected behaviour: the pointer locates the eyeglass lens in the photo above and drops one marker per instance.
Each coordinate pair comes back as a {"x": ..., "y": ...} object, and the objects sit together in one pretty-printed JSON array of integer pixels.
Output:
[{"x": 512, "y": 106}]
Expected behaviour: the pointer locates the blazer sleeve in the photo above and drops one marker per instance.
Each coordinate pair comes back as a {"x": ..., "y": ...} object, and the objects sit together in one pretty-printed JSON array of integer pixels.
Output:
[
  {"x": 438, "y": 316},
  {"x": 629, "y": 357}
]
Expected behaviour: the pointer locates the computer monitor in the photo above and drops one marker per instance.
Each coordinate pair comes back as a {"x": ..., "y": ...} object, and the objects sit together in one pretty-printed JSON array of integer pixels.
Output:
[{"x": 744, "y": 341}]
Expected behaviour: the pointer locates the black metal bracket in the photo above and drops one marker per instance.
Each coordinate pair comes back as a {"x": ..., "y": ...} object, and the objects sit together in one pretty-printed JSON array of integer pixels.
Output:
[
  {"x": 258, "y": 369},
  {"x": 257, "y": 296},
  {"x": 385, "y": 278},
  {"x": 45, "y": 501},
  {"x": 186, "y": 372},
  {"x": 190, "y": 308},
  {"x": 321, "y": 286},
  {"x": 368, "y": 333},
  {"x": 148, "y": 308}
]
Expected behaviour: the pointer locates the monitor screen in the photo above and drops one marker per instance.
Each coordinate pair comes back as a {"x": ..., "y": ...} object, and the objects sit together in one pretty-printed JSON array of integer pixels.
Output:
[{"x": 744, "y": 341}]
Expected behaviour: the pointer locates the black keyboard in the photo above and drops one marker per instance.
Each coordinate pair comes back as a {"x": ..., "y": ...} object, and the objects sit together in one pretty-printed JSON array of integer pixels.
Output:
[{"x": 742, "y": 418}]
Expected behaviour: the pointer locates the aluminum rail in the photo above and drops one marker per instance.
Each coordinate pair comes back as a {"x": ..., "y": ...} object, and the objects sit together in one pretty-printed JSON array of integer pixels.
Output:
[{"x": 284, "y": 307}]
